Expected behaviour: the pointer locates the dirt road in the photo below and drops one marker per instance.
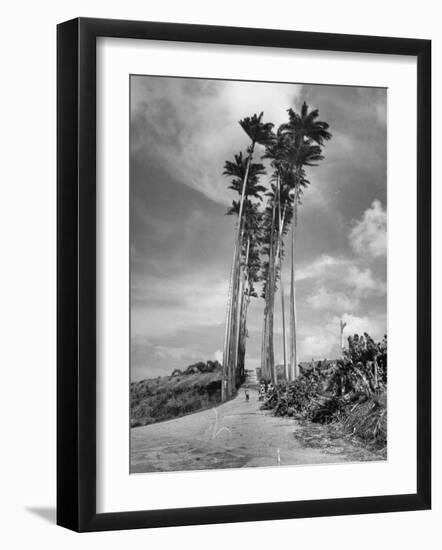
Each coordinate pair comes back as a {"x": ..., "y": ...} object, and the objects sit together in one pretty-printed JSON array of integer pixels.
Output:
[{"x": 236, "y": 434}]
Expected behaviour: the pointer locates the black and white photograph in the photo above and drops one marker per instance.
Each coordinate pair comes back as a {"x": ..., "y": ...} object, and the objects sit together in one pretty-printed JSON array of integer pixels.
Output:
[
  {"x": 220, "y": 275},
  {"x": 258, "y": 274}
]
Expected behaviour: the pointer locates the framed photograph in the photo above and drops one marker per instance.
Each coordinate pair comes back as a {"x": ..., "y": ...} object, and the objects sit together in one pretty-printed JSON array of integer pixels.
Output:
[{"x": 243, "y": 241}]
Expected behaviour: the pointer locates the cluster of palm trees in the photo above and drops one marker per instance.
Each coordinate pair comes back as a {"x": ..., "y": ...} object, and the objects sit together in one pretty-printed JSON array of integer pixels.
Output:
[{"x": 259, "y": 247}]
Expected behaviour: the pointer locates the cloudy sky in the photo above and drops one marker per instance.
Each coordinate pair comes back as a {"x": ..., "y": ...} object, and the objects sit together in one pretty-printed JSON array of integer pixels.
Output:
[{"x": 182, "y": 131}]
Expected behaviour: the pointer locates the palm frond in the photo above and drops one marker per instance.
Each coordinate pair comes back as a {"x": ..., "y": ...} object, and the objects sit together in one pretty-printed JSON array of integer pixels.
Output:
[{"x": 258, "y": 132}]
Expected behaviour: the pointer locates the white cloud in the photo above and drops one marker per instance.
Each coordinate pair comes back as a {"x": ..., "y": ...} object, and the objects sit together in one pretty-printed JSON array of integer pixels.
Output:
[
  {"x": 369, "y": 235},
  {"x": 324, "y": 345},
  {"x": 324, "y": 266},
  {"x": 218, "y": 356},
  {"x": 163, "y": 305},
  {"x": 336, "y": 301},
  {"x": 204, "y": 131},
  {"x": 363, "y": 282},
  {"x": 177, "y": 353},
  {"x": 340, "y": 282}
]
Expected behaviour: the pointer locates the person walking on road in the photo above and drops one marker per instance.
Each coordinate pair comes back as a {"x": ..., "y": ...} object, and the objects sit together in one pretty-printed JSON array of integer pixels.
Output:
[{"x": 246, "y": 392}]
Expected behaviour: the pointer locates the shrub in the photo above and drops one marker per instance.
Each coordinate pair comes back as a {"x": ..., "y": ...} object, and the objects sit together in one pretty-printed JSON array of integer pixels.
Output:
[
  {"x": 352, "y": 392},
  {"x": 368, "y": 421},
  {"x": 296, "y": 398}
]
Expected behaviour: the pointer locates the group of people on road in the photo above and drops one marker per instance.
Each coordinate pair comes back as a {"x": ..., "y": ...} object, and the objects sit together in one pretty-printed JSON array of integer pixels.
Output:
[{"x": 264, "y": 389}]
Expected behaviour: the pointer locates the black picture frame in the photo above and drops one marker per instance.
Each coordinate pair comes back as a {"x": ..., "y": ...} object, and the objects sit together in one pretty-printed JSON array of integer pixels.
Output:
[{"x": 76, "y": 273}]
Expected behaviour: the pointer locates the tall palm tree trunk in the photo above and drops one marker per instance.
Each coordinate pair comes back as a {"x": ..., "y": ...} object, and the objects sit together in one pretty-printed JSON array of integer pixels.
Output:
[
  {"x": 240, "y": 308},
  {"x": 230, "y": 328},
  {"x": 281, "y": 288},
  {"x": 284, "y": 342},
  {"x": 231, "y": 344},
  {"x": 235, "y": 321},
  {"x": 233, "y": 334},
  {"x": 277, "y": 264},
  {"x": 270, "y": 346},
  {"x": 263, "y": 344},
  {"x": 243, "y": 337},
  {"x": 227, "y": 331},
  {"x": 293, "y": 320},
  {"x": 274, "y": 262},
  {"x": 270, "y": 358},
  {"x": 239, "y": 332},
  {"x": 238, "y": 299}
]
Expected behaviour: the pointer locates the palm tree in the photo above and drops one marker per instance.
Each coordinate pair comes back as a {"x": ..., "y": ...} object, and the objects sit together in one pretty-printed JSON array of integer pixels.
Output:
[
  {"x": 305, "y": 126},
  {"x": 249, "y": 273},
  {"x": 258, "y": 132},
  {"x": 296, "y": 145},
  {"x": 277, "y": 150},
  {"x": 307, "y": 135},
  {"x": 276, "y": 221},
  {"x": 234, "y": 311},
  {"x": 238, "y": 169},
  {"x": 244, "y": 176},
  {"x": 305, "y": 155},
  {"x": 269, "y": 288},
  {"x": 284, "y": 218}
]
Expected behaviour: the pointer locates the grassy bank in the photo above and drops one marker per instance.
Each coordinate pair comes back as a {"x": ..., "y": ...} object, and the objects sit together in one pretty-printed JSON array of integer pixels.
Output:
[{"x": 157, "y": 399}]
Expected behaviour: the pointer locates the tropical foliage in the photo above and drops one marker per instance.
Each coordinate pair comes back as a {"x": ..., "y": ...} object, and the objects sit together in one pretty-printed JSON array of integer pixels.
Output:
[{"x": 352, "y": 392}]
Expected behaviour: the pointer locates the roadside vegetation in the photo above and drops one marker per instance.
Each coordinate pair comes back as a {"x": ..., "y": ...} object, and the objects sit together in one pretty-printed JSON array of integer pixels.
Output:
[
  {"x": 350, "y": 394},
  {"x": 195, "y": 388}
]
